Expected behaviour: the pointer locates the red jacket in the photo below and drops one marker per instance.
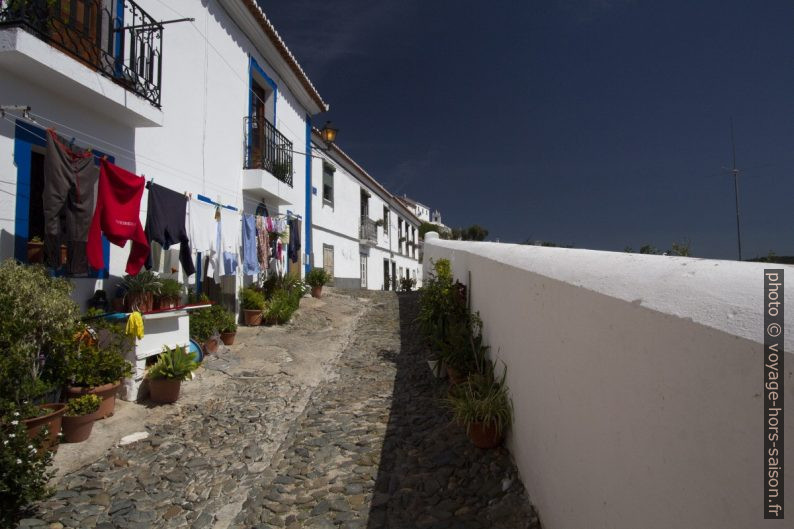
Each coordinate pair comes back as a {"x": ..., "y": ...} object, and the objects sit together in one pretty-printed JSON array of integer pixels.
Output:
[{"x": 117, "y": 215}]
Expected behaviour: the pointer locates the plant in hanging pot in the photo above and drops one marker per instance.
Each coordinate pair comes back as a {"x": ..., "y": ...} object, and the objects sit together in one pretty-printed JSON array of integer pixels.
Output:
[
  {"x": 166, "y": 375},
  {"x": 253, "y": 302},
  {"x": 98, "y": 368},
  {"x": 170, "y": 294},
  {"x": 140, "y": 290},
  {"x": 482, "y": 405},
  {"x": 78, "y": 421},
  {"x": 316, "y": 278}
]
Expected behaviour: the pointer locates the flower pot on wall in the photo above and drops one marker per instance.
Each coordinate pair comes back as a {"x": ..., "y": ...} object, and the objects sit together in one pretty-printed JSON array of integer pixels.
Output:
[
  {"x": 163, "y": 390},
  {"x": 77, "y": 429},
  {"x": 107, "y": 392},
  {"x": 228, "y": 338},
  {"x": 52, "y": 421},
  {"x": 143, "y": 302},
  {"x": 317, "y": 292},
  {"x": 35, "y": 252},
  {"x": 252, "y": 317},
  {"x": 483, "y": 436}
]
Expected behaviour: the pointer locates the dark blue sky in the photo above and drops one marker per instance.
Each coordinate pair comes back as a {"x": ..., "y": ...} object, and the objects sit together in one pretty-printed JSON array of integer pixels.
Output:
[{"x": 597, "y": 123}]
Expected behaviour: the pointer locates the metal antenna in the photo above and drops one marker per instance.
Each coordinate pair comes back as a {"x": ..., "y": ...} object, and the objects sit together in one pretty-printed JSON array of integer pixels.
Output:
[{"x": 735, "y": 172}]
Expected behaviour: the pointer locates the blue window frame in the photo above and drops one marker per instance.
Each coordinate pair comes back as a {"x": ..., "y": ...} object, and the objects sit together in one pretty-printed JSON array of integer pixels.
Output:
[{"x": 26, "y": 136}]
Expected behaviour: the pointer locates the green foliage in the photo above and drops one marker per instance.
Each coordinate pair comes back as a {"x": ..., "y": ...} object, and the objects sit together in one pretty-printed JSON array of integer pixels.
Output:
[
  {"x": 85, "y": 405},
  {"x": 227, "y": 322},
  {"x": 170, "y": 289},
  {"x": 317, "y": 277},
  {"x": 23, "y": 469},
  {"x": 280, "y": 307},
  {"x": 252, "y": 299},
  {"x": 291, "y": 284},
  {"x": 462, "y": 347},
  {"x": 37, "y": 320},
  {"x": 144, "y": 282},
  {"x": 407, "y": 284},
  {"x": 483, "y": 398},
  {"x": 281, "y": 170},
  {"x": 681, "y": 248},
  {"x": 210, "y": 321},
  {"x": 94, "y": 365},
  {"x": 174, "y": 364}
]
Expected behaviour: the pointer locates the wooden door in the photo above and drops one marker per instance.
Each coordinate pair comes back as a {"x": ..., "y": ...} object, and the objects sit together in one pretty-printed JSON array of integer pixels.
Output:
[
  {"x": 363, "y": 265},
  {"x": 328, "y": 260},
  {"x": 257, "y": 140}
]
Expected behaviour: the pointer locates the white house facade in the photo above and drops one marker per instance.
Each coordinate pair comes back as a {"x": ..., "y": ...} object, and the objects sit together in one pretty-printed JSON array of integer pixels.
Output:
[
  {"x": 210, "y": 103},
  {"x": 362, "y": 235}
]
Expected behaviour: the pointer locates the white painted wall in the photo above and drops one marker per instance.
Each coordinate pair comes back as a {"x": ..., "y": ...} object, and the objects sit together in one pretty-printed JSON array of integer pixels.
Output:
[
  {"x": 198, "y": 146},
  {"x": 636, "y": 381}
]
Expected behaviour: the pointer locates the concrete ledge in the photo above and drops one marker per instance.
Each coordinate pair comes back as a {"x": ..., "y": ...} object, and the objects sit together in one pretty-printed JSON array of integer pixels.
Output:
[{"x": 637, "y": 381}]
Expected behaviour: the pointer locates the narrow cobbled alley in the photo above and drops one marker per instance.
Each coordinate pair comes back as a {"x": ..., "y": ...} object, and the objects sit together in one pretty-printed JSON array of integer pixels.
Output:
[{"x": 332, "y": 421}]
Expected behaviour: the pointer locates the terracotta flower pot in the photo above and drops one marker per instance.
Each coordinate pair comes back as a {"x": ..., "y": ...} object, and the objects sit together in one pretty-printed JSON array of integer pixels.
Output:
[
  {"x": 483, "y": 436},
  {"x": 107, "y": 392},
  {"x": 52, "y": 421},
  {"x": 228, "y": 338},
  {"x": 211, "y": 346},
  {"x": 455, "y": 376},
  {"x": 78, "y": 428},
  {"x": 252, "y": 317},
  {"x": 317, "y": 292},
  {"x": 144, "y": 302},
  {"x": 35, "y": 252},
  {"x": 163, "y": 390}
]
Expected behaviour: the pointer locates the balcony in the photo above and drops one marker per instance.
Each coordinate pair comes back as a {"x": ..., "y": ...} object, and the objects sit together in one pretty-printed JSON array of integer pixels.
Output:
[
  {"x": 267, "y": 149},
  {"x": 368, "y": 232},
  {"x": 117, "y": 40}
]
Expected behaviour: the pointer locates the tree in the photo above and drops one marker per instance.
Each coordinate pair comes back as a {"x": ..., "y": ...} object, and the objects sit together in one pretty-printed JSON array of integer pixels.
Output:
[{"x": 475, "y": 232}]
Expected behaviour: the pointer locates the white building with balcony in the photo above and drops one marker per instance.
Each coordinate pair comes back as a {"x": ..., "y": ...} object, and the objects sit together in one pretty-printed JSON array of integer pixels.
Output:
[
  {"x": 362, "y": 235},
  {"x": 202, "y": 97}
]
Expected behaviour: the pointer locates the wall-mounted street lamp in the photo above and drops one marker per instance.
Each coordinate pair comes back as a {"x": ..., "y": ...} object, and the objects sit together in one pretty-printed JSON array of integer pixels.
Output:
[{"x": 328, "y": 134}]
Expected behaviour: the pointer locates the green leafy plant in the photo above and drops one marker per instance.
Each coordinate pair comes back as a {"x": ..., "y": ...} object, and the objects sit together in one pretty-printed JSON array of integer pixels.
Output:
[
  {"x": 317, "y": 277},
  {"x": 170, "y": 289},
  {"x": 85, "y": 405},
  {"x": 173, "y": 364},
  {"x": 37, "y": 321},
  {"x": 484, "y": 399},
  {"x": 94, "y": 365},
  {"x": 280, "y": 307},
  {"x": 407, "y": 284},
  {"x": 252, "y": 299},
  {"x": 227, "y": 322},
  {"x": 23, "y": 469},
  {"x": 144, "y": 282}
]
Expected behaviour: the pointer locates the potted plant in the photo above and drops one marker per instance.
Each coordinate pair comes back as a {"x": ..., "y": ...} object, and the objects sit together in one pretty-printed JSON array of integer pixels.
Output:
[
  {"x": 482, "y": 405},
  {"x": 140, "y": 290},
  {"x": 170, "y": 294},
  {"x": 97, "y": 367},
  {"x": 227, "y": 324},
  {"x": 78, "y": 421},
  {"x": 35, "y": 250},
  {"x": 166, "y": 375},
  {"x": 204, "y": 327},
  {"x": 316, "y": 278},
  {"x": 253, "y": 302}
]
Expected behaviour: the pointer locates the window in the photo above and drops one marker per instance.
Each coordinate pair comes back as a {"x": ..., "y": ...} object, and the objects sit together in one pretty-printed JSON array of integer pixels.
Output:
[
  {"x": 400, "y": 235},
  {"x": 328, "y": 184},
  {"x": 385, "y": 220},
  {"x": 328, "y": 260}
]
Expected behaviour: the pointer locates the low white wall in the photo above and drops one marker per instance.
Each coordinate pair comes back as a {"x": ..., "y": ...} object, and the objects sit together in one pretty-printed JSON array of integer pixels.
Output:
[{"x": 636, "y": 381}]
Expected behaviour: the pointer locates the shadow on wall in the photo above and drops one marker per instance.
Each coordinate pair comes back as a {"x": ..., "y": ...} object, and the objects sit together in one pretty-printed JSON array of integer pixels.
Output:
[{"x": 430, "y": 475}]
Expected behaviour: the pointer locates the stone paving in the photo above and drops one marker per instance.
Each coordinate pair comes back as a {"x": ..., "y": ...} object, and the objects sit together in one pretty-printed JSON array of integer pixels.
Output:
[{"x": 368, "y": 446}]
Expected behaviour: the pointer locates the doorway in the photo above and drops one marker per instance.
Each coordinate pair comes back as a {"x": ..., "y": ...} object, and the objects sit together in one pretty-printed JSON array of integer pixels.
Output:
[{"x": 363, "y": 267}]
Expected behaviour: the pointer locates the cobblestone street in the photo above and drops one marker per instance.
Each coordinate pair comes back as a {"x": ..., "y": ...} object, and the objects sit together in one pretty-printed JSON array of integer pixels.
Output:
[{"x": 278, "y": 432}]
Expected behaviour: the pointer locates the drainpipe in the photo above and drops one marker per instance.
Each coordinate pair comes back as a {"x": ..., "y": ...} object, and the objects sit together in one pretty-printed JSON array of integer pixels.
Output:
[{"x": 308, "y": 220}]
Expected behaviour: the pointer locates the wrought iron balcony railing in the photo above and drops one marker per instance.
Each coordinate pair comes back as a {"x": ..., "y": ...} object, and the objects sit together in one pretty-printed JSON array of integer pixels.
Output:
[
  {"x": 116, "y": 38},
  {"x": 266, "y": 148},
  {"x": 368, "y": 231}
]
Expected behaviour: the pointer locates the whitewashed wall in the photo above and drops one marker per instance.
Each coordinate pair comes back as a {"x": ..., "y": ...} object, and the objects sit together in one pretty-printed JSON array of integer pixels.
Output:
[
  {"x": 198, "y": 144},
  {"x": 636, "y": 380}
]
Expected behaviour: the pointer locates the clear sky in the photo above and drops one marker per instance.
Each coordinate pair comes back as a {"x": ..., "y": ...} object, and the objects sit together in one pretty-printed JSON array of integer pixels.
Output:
[{"x": 597, "y": 123}]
